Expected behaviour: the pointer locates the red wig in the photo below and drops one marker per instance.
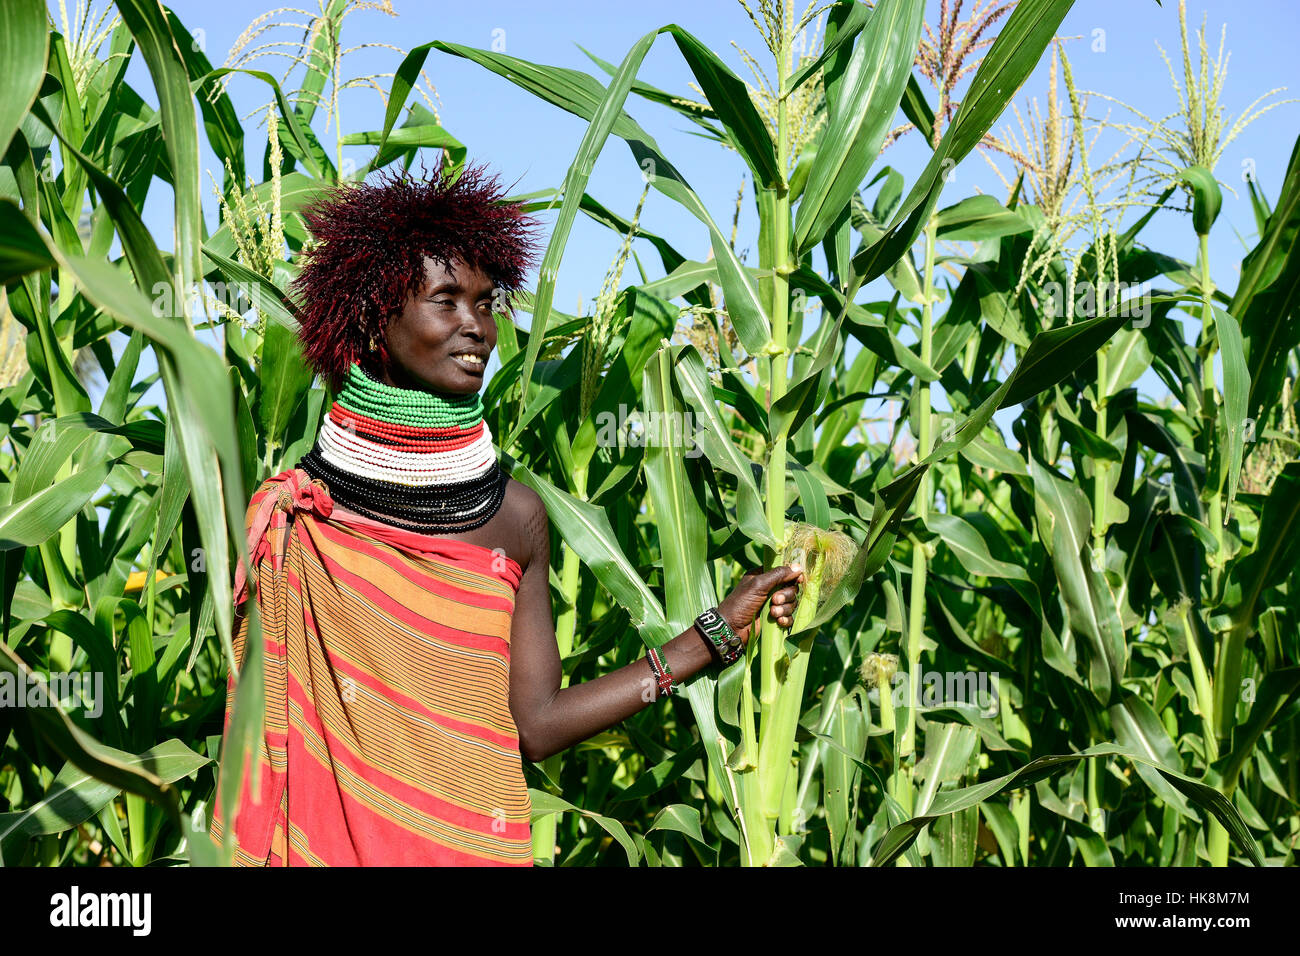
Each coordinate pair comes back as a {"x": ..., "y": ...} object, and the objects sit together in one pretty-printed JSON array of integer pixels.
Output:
[{"x": 369, "y": 256}]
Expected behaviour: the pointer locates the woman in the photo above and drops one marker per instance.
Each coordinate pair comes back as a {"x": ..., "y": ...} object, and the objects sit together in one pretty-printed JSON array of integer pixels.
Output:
[{"x": 403, "y": 578}]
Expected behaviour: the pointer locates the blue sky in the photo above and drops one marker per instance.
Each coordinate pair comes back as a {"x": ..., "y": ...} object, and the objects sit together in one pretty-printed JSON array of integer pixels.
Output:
[{"x": 531, "y": 142}]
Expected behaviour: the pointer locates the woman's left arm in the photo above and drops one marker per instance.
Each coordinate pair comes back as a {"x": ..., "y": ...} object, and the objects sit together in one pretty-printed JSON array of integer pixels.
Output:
[{"x": 550, "y": 718}]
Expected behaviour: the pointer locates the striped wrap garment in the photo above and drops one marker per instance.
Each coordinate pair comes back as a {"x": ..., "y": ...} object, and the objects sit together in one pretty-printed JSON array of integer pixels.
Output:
[{"x": 388, "y": 737}]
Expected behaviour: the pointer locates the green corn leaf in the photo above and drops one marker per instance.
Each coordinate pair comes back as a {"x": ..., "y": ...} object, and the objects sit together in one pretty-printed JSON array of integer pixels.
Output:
[
  {"x": 102, "y": 657},
  {"x": 992, "y": 454},
  {"x": 1236, "y": 389},
  {"x": 398, "y": 141},
  {"x": 1276, "y": 552},
  {"x": 1206, "y": 197},
  {"x": 666, "y": 771},
  {"x": 35, "y": 519},
  {"x": 901, "y": 836},
  {"x": 790, "y": 410},
  {"x": 243, "y": 737},
  {"x": 220, "y": 119},
  {"x": 1265, "y": 263},
  {"x": 715, "y": 441},
  {"x": 890, "y": 506},
  {"x": 948, "y": 748},
  {"x": 301, "y": 142},
  {"x": 148, "y": 24},
  {"x": 651, "y": 321},
  {"x": 285, "y": 379},
  {"x": 680, "y": 818},
  {"x": 978, "y": 218},
  {"x": 171, "y": 499},
  {"x": 586, "y": 529},
  {"x": 86, "y": 753},
  {"x": 57, "y": 219},
  {"x": 968, "y": 714},
  {"x": 1010, "y": 60},
  {"x": 729, "y": 98},
  {"x": 970, "y": 548},
  {"x": 840, "y": 775},
  {"x": 545, "y": 804},
  {"x": 1138, "y": 729},
  {"x": 871, "y": 331},
  {"x": 1064, "y": 519},
  {"x": 870, "y": 89},
  {"x": 1278, "y": 690},
  {"x": 404, "y": 80},
  {"x": 22, "y": 251},
  {"x": 812, "y": 495},
  {"x": 701, "y": 114},
  {"x": 249, "y": 467},
  {"x": 24, "y": 45},
  {"x": 684, "y": 278},
  {"x": 838, "y": 34},
  {"x": 678, "y": 508},
  {"x": 917, "y": 110},
  {"x": 1266, "y": 296},
  {"x": 55, "y": 442},
  {"x": 265, "y": 296},
  {"x": 75, "y": 795},
  {"x": 1128, "y": 358}
]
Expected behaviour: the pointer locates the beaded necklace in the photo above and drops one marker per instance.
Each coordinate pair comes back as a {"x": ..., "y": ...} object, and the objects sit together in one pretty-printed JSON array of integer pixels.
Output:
[{"x": 418, "y": 460}]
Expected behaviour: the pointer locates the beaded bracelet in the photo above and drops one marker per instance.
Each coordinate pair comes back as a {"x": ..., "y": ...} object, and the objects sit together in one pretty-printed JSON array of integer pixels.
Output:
[
  {"x": 663, "y": 674},
  {"x": 713, "y": 627}
]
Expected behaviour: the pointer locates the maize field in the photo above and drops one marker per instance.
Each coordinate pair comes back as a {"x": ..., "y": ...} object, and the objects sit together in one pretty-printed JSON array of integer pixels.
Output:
[{"x": 1067, "y": 636}]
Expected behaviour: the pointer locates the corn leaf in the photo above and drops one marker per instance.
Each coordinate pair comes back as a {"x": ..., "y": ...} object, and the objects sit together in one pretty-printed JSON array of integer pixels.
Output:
[
  {"x": 861, "y": 113},
  {"x": 24, "y": 45},
  {"x": 1010, "y": 60}
]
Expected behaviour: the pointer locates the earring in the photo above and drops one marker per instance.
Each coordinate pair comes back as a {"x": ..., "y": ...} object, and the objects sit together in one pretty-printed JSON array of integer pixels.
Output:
[{"x": 372, "y": 342}]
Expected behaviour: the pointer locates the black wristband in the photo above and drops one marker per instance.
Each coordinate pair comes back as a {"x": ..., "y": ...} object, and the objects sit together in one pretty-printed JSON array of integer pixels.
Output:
[
  {"x": 714, "y": 651},
  {"x": 714, "y": 627}
]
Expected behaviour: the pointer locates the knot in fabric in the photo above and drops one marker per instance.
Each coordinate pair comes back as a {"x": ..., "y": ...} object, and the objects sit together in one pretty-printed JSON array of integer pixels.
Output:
[{"x": 298, "y": 492}]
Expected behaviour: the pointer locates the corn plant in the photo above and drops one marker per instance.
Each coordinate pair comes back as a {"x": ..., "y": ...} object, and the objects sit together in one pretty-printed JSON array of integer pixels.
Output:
[{"x": 1121, "y": 577}]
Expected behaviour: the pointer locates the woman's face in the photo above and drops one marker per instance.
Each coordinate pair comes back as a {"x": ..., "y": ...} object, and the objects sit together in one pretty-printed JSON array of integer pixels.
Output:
[{"x": 432, "y": 343}]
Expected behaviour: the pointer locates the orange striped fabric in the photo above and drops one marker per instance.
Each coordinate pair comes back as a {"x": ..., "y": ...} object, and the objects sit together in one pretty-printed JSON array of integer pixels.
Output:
[{"x": 388, "y": 737}]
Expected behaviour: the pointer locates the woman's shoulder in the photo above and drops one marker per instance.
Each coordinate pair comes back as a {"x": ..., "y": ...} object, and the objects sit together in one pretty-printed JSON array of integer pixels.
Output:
[
  {"x": 524, "y": 505},
  {"x": 521, "y": 497},
  {"x": 528, "y": 514}
]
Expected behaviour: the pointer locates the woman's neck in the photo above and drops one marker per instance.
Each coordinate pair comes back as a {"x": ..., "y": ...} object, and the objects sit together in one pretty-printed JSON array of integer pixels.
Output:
[{"x": 409, "y": 457}]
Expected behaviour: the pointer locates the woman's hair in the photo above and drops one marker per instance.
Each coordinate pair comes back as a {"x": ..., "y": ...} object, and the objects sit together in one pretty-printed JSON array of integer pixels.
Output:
[{"x": 371, "y": 240}]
